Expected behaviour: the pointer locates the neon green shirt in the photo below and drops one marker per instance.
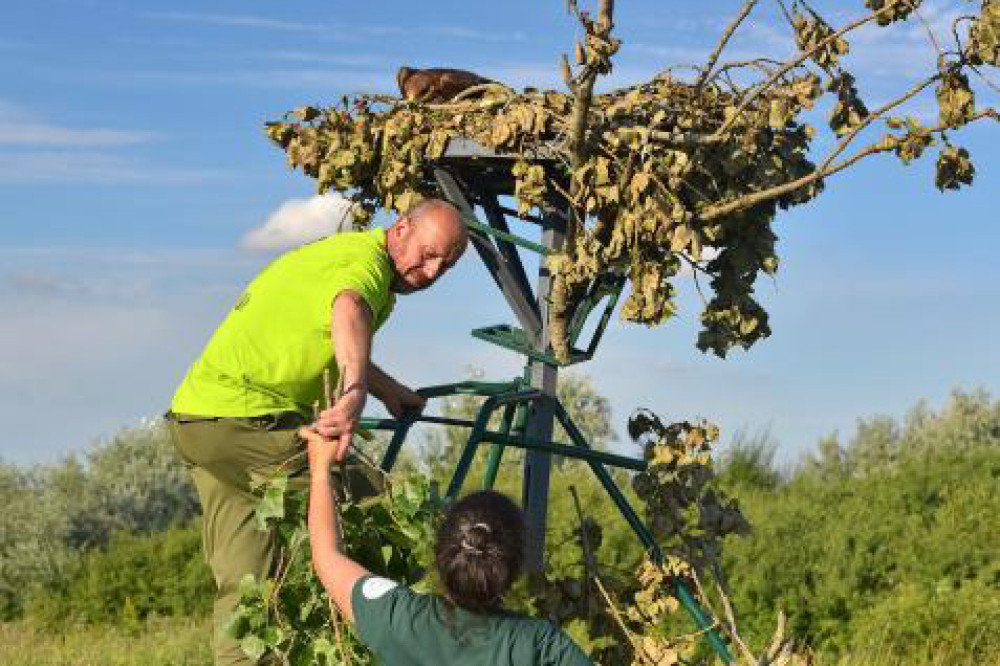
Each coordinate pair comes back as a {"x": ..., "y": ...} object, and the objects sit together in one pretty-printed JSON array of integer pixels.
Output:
[
  {"x": 270, "y": 352},
  {"x": 403, "y": 628}
]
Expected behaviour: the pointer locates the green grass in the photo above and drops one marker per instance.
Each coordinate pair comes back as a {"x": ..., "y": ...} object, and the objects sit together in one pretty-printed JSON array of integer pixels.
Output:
[
  {"x": 158, "y": 642},
  {"x": 185, "y": 642}
]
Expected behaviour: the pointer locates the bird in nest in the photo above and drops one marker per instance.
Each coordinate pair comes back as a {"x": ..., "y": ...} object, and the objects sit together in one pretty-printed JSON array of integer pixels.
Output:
[{"x": 437, "y": 84}]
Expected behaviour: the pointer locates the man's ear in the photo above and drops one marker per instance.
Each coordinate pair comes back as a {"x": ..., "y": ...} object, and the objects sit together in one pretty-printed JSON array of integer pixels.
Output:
[{"x": 403, "y": 226}]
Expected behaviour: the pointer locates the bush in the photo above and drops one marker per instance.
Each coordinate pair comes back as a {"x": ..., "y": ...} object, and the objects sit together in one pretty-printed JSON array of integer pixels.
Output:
[
  {"x": 892, "y": 539},
  {"x": 134, "y": 577},
  {"x": 135, "y": 483}
]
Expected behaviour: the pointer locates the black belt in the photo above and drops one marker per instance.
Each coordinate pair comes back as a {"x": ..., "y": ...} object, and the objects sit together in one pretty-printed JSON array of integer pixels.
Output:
[{"x": 274, "y": 421}]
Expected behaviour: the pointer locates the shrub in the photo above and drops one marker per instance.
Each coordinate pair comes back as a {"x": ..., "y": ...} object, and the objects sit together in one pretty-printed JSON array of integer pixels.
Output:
[{"x": 134, "y": 577}]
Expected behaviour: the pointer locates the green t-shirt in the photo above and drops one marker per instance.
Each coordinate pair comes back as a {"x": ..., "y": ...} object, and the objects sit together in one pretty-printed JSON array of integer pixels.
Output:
[
  {"x": 270, "y": 352},
  {"x": 404, "y": 628}
]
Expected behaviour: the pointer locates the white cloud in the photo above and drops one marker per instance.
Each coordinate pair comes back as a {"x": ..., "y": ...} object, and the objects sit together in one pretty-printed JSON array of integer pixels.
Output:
[
  {"x": 339, "y": 32},
  {"x": 299, "y": 221},
  {"x": 19, "y": 128},
  {"x": 94, "y": 167},
  {"x": 38, "y": 134},
  {"x": 238, "y": 21}
]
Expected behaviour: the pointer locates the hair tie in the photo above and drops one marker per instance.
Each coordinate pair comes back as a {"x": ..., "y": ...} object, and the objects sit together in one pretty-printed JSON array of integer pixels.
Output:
[{"x": 465, "y": 539}]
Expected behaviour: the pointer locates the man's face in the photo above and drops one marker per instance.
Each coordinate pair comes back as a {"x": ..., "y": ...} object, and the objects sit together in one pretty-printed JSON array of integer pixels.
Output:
[{"x": 423, "y": 253}]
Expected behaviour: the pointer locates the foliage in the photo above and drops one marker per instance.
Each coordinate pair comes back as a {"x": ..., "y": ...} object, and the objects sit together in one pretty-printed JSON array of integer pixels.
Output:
[
  {"x": 748, "y": 462},
  {"x": 656, "y": 174},
  {"x": 134, "y": 577},
  {"x": 132, "y": 483},
  {"x": 135, "y": 482},
  {"x": 291, "y": 616},
  {"x": 158, "y": 641},
  {"x": 882, "y": 550},
  {"x": 888, "y": 542}
]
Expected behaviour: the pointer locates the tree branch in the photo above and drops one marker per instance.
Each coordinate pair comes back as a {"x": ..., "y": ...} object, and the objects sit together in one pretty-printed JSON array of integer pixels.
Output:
[
  {"x": 726, "y": 36},
  {"x": 674, "y": 139},
  {"x": 792, "y": 64},
  {"x": 773, "y": 192},
  {"x": 876, "y": 115},
  {"x": 583, "y": 93}
]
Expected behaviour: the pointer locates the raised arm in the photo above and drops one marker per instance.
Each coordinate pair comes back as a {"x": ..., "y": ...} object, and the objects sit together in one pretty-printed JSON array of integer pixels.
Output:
[
  {"x": 337, "y": 572},
  {"x": 351, "y": 330}
]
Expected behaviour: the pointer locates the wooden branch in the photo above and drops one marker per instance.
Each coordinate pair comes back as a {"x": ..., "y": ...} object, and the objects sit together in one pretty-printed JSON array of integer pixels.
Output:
[
  {"x": 674, "y": 139},
  {"x": 877, "y": 114},
  {"x": 771, "y": 193},
  {"x": 792, "y": 64},
  {"x": 583, "y": 94},
  {"x": 727, "y": 606},
  {"x": 726, "y": 36}
]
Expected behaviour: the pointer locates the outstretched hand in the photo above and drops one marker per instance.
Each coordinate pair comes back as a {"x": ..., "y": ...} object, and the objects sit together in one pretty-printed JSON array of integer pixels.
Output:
[{"x": 322, "y": 451}]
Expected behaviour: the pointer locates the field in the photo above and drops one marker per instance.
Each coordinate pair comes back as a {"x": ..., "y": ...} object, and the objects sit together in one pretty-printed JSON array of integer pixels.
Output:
[
  {"x": 184, "y": 642},
  {"x": 158, "y": 642}
]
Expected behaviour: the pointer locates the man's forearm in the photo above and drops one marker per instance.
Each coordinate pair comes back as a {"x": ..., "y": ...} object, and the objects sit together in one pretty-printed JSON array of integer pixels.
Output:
[
  {"x": 380, "y": 383},
  {"x": 352, "y": 332}
]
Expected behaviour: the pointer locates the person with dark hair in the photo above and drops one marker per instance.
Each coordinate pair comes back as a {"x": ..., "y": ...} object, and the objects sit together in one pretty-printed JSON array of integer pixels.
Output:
[{"x": 478, "y": 555}]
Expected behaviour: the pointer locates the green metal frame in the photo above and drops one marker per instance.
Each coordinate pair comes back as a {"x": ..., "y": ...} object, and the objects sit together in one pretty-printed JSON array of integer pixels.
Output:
[
  {"x": 515, "y": 339},
  {"x": 528, "y": 401},
  {"x": 516, "y": 398}
]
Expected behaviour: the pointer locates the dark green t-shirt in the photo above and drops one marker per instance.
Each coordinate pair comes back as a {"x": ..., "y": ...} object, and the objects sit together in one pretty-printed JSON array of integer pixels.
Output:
[{"x": 404, "y": 628}]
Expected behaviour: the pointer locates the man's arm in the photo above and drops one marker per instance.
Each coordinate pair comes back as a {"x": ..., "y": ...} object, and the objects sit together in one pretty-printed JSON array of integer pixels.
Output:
[
  {"x": 337, "y": 572},
  {"x": 397, "y": 398},
  {"x": 351, "y": 329}
]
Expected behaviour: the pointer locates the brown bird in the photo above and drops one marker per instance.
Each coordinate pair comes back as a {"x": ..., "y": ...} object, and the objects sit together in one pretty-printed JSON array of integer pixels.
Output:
[{"x": 435, "y": 85}]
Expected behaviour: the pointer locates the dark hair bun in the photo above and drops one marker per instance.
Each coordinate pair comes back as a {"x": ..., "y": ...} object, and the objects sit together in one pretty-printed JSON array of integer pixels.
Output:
[{"x": 479, "y": 550}]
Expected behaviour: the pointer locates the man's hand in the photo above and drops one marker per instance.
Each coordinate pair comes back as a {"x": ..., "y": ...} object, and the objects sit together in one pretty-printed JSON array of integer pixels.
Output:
[
  {"x": 402, "y": 401},
  {"x": 340, "y": 421}
]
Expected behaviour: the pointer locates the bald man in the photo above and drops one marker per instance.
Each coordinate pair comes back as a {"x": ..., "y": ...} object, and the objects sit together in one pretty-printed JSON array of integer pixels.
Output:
[{"x": 236, "y": 414}]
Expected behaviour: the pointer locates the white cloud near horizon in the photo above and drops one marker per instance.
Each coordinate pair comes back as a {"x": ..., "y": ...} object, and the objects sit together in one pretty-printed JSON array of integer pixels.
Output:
[{"x": 299, "y": 221}]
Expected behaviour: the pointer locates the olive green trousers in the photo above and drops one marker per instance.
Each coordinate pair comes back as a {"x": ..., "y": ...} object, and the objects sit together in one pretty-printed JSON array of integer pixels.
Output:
[{"x": 223, "y": 457}]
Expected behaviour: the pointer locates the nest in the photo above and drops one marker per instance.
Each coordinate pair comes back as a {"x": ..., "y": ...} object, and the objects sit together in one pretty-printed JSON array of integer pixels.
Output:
[{"x": 661, "y": 155}]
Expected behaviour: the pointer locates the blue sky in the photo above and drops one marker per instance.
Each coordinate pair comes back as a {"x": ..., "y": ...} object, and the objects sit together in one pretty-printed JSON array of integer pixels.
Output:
[{"x": 133, "y": 165}]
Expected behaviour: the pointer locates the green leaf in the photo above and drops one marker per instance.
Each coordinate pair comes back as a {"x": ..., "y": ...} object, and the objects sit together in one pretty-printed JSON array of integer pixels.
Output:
[{"x": 253, "y": 647}]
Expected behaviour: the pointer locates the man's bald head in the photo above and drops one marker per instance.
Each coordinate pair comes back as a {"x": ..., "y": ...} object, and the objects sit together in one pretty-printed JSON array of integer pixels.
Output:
[{"x": 424, "y": 243}]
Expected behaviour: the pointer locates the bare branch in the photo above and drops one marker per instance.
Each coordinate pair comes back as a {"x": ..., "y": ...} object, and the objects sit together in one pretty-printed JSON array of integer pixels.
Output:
[
  {"x": 790, "y": 65},
  {"x": 876, "y": 115},
  {"x": 726, "y": 36},
  {"x": 733, "y": 631},
  {"x": 930, "y": 33}
]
